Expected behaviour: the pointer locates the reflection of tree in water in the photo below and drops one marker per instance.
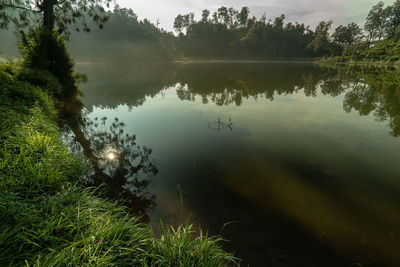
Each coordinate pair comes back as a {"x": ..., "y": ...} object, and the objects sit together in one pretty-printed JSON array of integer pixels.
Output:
[
  {"x": 370, "y": 90},
  {"x": 225, "y": 84},
  {"x": 141, "y": 80},
  {"x": 119, "y": 162},
  {"x": 116, "y": 161}
]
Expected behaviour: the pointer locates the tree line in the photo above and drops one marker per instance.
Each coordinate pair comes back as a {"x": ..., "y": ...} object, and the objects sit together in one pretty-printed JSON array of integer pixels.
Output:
[{"x": 234, "y": 33}]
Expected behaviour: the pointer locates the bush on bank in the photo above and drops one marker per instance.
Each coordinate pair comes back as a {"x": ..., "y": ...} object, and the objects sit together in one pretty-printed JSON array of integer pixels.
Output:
[{"x": 385, "y": 52}]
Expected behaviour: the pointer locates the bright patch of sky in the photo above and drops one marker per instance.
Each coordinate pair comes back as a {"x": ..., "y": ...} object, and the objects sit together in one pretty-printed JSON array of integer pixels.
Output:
[{"x": 311, "y": 12}]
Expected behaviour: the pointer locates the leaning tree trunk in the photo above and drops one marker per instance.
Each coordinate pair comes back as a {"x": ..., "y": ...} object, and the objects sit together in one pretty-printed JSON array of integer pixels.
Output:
[{"x": 48, "y": 14}]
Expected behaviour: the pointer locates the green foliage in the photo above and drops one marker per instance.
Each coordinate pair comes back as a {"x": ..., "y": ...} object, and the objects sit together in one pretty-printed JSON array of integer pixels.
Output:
[
  {"x": 42, "y": 78},
  {"x": 383, "y": 21},
  {"x": 355, "y": 51},
  {"x": 232, "y": 34},
  {"x": 379, "y": 45},
  {"x": 243, "y": 16},
  {"x": 207, "y": 40},
  {"x": 346, "y": 36},
  {"x": 321, "y": 44},
  {"x": 71, "y": 228},
  {"x": 20, "y": 95},
  {"x": 176, "y": 247},
  {"x": 375, "y": 22},
  {"x": 183, "y": 22},
  {"x": 44, "y": 52},
  {"x": 29, "y": 143},
  {"x": 385, "y": 51},
  {"x": 392, "y": 19},
  {"x": 50, "y": 13},
  {"x": 34, "y": 158}
]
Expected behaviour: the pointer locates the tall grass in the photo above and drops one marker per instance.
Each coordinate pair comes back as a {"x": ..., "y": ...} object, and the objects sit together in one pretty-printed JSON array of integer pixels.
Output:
[
  {"x": 177, "y": 247},
  {"x": 48, "y": 219}
]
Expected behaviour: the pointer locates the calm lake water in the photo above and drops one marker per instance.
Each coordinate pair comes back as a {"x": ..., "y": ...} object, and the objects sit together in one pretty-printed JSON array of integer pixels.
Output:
[{"x": 295, "y": 164}]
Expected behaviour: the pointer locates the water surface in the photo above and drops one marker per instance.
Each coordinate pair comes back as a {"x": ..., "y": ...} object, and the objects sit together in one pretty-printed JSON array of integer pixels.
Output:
[{"x": 295, "y": 164}]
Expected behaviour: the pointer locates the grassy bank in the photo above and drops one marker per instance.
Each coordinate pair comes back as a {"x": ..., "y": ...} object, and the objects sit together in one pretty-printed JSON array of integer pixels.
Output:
[{"x": 47, "y": 218}]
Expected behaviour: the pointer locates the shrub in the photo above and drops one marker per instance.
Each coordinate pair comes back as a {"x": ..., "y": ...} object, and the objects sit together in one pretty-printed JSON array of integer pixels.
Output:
[
  {"x": 20, "y": 96},
  {"x": 45, "y": 50},
  {"x": 42, "y": 78}
]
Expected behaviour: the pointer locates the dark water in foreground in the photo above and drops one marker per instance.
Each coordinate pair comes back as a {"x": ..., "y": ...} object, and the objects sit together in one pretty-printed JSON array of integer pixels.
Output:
[{"x": 295, "y": 164}]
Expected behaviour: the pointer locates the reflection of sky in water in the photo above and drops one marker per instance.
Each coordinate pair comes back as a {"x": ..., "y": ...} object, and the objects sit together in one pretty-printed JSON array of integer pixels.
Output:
[{"x": 332, "y": 173}]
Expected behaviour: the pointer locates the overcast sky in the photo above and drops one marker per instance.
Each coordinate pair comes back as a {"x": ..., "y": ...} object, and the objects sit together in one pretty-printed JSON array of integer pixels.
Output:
[{"x": 308, "y": 11}]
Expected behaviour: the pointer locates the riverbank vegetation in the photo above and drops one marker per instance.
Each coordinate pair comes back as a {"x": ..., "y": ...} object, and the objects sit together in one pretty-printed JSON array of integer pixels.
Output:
[
  {"x": 377, "y": 44},
  {"x": 47, "y": 215}
]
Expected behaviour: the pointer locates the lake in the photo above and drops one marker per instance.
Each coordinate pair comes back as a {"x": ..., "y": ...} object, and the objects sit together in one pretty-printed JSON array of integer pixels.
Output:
[{"x": 294, "y": 164}]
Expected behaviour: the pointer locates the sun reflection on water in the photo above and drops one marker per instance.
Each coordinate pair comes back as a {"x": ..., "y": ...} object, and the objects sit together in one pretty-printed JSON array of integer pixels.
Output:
[{"x": 111, "y": 156}]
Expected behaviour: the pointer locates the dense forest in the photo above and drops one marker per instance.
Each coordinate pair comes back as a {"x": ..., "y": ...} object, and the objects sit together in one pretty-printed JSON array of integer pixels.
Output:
[{"x": 229, "y": 33}]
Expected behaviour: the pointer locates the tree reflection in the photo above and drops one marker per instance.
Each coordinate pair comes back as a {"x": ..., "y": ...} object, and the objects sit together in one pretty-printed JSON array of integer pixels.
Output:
[
  {"x": 373, "y": 91},
  {"x": 225, "y": 84},
  {"x": 119, "y": 162},
  {"x": 116, "y": 162},
  {"x": 367, "y": 90}
]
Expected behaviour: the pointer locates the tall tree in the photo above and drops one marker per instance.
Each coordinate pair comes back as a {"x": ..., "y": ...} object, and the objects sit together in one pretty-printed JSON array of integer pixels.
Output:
[
  {"x": 321, "y": 43},
  {"x": 183, "y": 22},
  {"x": 375, "y": 22},
  {"x": 279, "y": 22},
  {"x": 224, "y": 16},
  {"x": 204, "y": 15},
  {"x": 233, "y": 14},
  {"x": 179, "y": 23},
  {"x": 346, "y": 36},
  {"x": 51, "y": 13},
  {"x": 243, "y": 16},
  {"x": 393, "y": 20}
]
